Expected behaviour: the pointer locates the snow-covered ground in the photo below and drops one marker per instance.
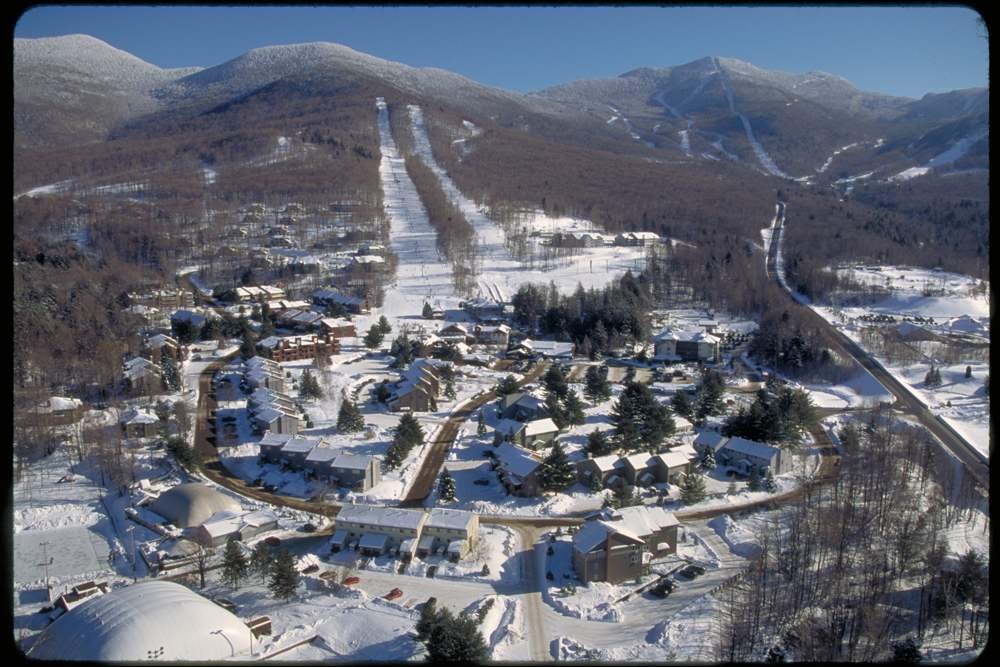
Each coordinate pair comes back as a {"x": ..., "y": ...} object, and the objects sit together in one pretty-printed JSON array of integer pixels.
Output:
[
  {"x": 952, "y": 154},
  {"x": 955, "y": 307},
  {"x": 762, "y": 156},
  {"x": 422, "y": 274}
]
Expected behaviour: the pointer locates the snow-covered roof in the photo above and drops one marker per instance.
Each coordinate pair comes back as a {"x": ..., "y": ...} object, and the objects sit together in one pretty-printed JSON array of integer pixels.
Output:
[
  {"x": 159, "y": 340},
  {"x": 298, "y": 445},
  {"x": 590, "y": 536},
  {"x": 275, "y": 439},
  {"x": 639, "y": 461},
  {"x": 456, "y": 546},
  {"x": 226, "y": 522},
  {"x": 336, "y": 322},
  {"x": 516, "y": 460},
  {"x": 642, "y": 520},
  {"x": 426, "y": 542},
  {"x": 408, "y": 546},
  {"x": 352, "y": 462},
  {"x": 269, "y": 342},
  {"x": 152, "y": 619},
  {"x": 678, "y": 458},
  {"x": 373, "y": 541},
  {"x": 751, "y": 448},
  {"x": 688, "y": 336},
  {"x": 385, "y": 517},
  {"x": 322, "y": 454},
  {"x": 339, "y": 537},
  {"x": 189, "y": 505},
  {"x": 336, "y": 297},
  {"x": 548, "y": 348},
  {"x": 138, "y": 416},
  {"x": 259, "y": 518},
  {"x": 540, "y": 427},
  {"x": 508, "y": 426},
  {"x": 177, "y": 547},
  {"x": 267, "y": 415},
  {"x": 607, "y": 463},
  {"x": 710, "y": 439},
  {"x": 440, "y": 517},
  {"x": 59, "y": 403}
]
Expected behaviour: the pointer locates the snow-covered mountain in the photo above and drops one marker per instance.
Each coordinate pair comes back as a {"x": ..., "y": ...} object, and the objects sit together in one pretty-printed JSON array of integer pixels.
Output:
[
  {"x": 77, "y": 87},
  {"x": 811, "y": 126},
  {"x": 782, "y": 123}
]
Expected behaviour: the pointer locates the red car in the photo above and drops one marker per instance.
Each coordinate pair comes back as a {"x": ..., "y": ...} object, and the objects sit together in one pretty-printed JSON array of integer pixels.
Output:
[
  {"x": 393, "y": 594},
  {"x": 350, "y": 581}
]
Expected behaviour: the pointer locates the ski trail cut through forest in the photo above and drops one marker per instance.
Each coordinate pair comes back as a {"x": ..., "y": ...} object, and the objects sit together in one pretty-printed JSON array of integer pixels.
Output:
[{"x": 422, "y": 272}]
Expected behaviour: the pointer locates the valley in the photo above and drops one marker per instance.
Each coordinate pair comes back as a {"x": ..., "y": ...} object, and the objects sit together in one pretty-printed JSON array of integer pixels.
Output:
[{"x": 356, "y": 360}]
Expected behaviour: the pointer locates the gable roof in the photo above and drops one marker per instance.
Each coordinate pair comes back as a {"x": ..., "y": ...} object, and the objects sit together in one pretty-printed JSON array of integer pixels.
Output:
[
  {"x": 751, "y": 448},
  {"x": 516, "y": 460}
]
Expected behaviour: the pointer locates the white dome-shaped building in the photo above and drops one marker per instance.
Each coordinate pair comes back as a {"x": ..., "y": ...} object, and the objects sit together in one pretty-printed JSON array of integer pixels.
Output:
[
  {"x": 188, "y": 505},
  {"x": 155, "y": 620}
]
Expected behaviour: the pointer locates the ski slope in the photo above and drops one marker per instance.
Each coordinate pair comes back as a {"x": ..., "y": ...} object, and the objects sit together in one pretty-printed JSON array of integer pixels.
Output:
[{"x": 422, "y": 274}]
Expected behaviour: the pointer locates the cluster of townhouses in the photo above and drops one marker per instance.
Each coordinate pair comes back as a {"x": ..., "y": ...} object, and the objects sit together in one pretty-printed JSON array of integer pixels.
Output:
[
  {"x": 406, "y": 533},
  {"x": 319, "y": 460},
  {"x": 744, "y": 455}
]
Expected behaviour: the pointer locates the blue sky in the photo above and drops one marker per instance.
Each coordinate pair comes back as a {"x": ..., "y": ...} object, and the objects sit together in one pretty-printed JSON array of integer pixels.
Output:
[{"x": 896, "y": 50}]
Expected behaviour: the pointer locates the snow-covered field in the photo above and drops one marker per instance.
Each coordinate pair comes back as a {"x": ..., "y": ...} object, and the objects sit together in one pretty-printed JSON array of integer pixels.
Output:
[{"x": 957, "y": 307}]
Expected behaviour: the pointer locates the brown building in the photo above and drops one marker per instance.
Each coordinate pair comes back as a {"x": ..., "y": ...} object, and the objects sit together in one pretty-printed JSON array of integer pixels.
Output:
[
  {"x": 618, "y": 546},
  {"x": 293, "y": 348}
]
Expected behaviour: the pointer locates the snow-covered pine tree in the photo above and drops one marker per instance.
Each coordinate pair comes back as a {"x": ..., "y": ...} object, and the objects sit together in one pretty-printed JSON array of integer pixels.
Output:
[
  {"x": 708, "y": 460},
  {"x": 556, "y": 472},
  {"x": 284, "y": 576},
  {"x": 234, "y": 564},
  {"x": 261, "y": 560},
  {"x": 349, "y": 419},
  {"x": 446, "y": 487},
  {"x": 693, "y": 488}
]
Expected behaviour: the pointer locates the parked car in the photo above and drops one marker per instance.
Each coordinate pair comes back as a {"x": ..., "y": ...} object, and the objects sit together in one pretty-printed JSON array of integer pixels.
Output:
[
  {"x": 482, "y": 482},
  {"x": 309, "y": 528},
  {"x": 350, "y": 581},
  {"x": 692, "y": 571},
  {"x": 272, "y": 541},
  {"x": 664, "y": 588},
  {"x": 312, "y": 568},
  {"x": 393, "y": 594},
  {"x": 431, "y": 571}
]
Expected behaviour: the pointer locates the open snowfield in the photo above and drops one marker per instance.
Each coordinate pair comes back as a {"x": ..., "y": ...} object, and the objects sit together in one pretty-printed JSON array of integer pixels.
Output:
[{"x": 956, "y": 308}]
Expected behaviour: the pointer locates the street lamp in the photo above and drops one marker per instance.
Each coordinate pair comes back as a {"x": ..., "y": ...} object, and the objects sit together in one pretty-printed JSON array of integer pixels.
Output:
[{"x": 131, "y": 531}]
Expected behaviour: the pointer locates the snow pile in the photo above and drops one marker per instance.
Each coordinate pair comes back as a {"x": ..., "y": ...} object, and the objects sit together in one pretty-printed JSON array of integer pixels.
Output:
[
  {"x": 740, "y": 540},
  {"x": 499, "y": 626},
  {"x": 593, "y": 602},
  {"x": 691, "y": 634}
]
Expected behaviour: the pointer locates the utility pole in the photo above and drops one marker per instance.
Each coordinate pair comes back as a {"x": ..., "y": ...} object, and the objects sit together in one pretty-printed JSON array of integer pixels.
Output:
[
  {"x": 131, "y": 531},
  {"x": 46, "y": 561}
]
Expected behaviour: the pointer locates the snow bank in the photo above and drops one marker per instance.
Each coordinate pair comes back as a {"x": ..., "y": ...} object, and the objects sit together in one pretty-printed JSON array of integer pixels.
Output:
[{"x": 740, "y": 540}]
